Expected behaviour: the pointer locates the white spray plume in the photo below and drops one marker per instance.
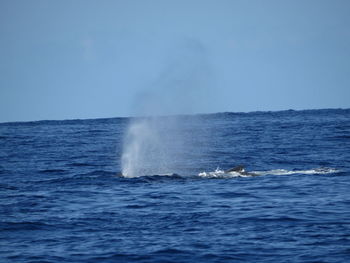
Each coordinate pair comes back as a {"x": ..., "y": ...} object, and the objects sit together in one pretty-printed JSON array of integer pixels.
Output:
[
  {"x": 153, "y": 145},
  {"x": 143, "y": 149}
]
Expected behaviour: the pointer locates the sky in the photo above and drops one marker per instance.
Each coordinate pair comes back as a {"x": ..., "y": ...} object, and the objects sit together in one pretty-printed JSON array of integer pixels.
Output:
[{"x": 96, "y": 59}]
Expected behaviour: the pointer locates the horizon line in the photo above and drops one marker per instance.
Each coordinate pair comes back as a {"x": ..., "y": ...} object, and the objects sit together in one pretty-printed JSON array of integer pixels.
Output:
[{"x": 169, "y": 115}]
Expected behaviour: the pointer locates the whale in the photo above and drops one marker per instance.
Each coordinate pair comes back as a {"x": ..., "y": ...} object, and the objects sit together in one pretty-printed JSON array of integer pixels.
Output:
[{"x": 240, "y": 169}]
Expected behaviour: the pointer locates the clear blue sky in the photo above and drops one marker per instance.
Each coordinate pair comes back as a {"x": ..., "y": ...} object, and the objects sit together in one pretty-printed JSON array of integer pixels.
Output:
[{"x": 89, "y": 59}]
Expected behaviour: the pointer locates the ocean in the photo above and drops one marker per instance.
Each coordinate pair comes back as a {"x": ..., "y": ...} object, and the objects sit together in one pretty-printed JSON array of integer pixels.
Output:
[{"x": 159, "y": 190}]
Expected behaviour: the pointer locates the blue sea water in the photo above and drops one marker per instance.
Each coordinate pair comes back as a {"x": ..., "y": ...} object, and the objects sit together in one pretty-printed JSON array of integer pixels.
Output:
[{"x": 63, "y": 198}]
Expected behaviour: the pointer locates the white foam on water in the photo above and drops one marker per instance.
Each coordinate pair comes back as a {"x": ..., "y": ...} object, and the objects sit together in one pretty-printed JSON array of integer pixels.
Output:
[
  {"x": 218, "y": 173},
  {"x": 323, "y": 170},
  {"x": 221, "y": 174}
]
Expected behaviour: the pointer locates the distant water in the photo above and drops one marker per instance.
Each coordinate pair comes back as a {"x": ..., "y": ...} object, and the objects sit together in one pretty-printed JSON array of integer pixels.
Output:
[{"x": 62, "y": 201}]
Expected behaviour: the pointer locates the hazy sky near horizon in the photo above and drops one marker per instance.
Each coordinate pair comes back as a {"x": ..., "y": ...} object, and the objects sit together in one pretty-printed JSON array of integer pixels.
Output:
[{"x": 90, "y": 59}]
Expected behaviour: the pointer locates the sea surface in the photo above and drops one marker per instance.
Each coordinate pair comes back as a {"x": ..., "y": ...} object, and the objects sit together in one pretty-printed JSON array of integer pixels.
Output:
[{"x": 66, "y": 196}]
